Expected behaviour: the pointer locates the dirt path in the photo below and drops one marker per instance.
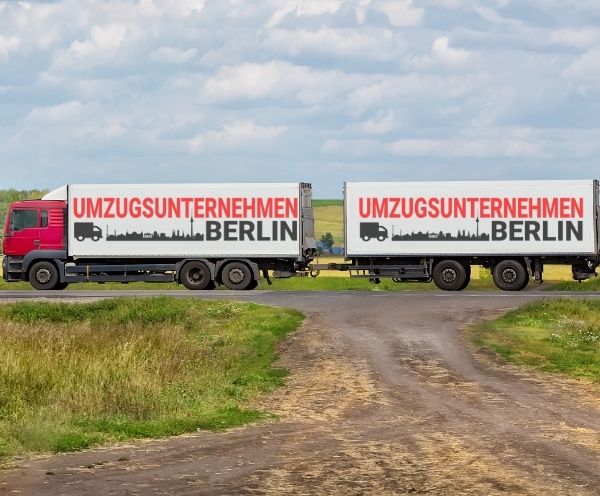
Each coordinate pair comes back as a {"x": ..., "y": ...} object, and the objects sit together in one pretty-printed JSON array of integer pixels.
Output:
[{"x": 385, "y": 397}]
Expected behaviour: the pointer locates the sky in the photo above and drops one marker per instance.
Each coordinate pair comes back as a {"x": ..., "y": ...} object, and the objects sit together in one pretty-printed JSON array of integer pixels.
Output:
[{"x": 321, "y": 91}]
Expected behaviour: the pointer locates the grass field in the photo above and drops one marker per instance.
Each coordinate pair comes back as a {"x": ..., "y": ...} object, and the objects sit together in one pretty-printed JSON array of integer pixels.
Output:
[
  {"x": 552, "y": 335},
  {"x": 75, "y": 375}
]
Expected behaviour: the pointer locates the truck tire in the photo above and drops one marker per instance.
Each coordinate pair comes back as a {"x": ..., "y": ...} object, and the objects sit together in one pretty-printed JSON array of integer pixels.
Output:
[
  {"x": 196, "y": 276},
  {"x": 510, "y": 275},
  {"x": 449, "y": 275},
  {"x": 61, "y": 285},
  {"x": 467, "y": 279},
  {"x": 237, "y": 276},
  {"x": 44, "y": 275}
]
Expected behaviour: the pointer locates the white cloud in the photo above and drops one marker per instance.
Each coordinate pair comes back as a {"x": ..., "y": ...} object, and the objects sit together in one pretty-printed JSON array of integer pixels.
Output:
[
  {"x": 577, "y": 38},
  {"x": 277, "y": 80},
  {"x": 7, "y": 46},
  {"x": 482, "y": 148},
  {"x": 493, "y": 17},
  {"x": 57, "y": 114},
  {"x": 441, "y": 53},
  {"x": 300, "y": 8},
  {"x": 109, "y": 45},
  {"x": 172, "y": 55},
  {"x": 400, "y": 13},
  {"x": 366, "y": 43},
  {"x": 234, "y": 135},
  {"x": 382, "y": 123},
  {"x": 423, "y": 90},
  {"x": 585, "y": 68}
]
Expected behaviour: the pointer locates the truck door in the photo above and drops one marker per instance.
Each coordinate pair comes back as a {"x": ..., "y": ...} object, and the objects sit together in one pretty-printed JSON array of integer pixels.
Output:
[
  {"x": 51, "y": 229},
  {"x": 23, "y": 232}
]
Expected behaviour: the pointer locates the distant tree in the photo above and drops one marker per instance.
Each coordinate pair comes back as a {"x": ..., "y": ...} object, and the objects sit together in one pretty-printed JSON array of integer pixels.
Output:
[{"x": 327, "y": 241}]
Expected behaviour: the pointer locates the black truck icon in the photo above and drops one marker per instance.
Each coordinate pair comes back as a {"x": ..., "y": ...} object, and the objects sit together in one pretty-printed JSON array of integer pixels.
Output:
[
  {"x": 85, "y": 230},
  {"x": 370, "y": 230}
]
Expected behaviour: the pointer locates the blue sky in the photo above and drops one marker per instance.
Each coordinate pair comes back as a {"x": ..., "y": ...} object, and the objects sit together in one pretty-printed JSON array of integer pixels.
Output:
[{"x": 318, "y": 90}]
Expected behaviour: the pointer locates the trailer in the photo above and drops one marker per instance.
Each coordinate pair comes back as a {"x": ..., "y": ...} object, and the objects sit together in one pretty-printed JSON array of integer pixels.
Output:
[
  {"x": 198, "y": 235},
  {"x": 438, "y": 230}
]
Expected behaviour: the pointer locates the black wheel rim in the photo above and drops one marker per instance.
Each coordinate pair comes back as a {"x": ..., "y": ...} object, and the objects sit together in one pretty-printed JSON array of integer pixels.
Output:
[
  {"x": 509, "y": 275},
  {"x": 449, "y": 275}
]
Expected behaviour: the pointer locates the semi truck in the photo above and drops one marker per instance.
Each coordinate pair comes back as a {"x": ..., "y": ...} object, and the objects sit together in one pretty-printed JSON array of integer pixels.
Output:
[
  {"x": 199, "y": 235},
  {"x": 439, "y": 230}
]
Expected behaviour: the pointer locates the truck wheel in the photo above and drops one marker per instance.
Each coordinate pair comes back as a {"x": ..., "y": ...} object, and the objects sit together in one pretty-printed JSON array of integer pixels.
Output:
[
  {"x": 238, "y": 276},
  {"x": 196, "y": 276},
  {"x": 381, "y": 237},
  {"x": 510, "y": 275},
  {"x": 449, "y": 275},
  {"x": 44, "y": 275},
  {"x": 467, "y": 279},
  {"x": 79, "y": 237},
  {"x": 61, "y": 285},
  {"x": 366, "y": 238}
]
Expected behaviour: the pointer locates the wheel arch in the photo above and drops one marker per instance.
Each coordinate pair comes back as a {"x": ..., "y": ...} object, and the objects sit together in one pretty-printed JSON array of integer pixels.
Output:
[{"x": 58, "y": 257}]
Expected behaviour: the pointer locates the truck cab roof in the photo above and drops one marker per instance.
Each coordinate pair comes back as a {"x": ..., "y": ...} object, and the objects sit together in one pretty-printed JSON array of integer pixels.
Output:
[{"x": 38, "y": 204}]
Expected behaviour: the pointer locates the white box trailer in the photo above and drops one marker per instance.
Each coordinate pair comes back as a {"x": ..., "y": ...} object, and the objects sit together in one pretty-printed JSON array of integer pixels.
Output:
[
  {"x": 196, "y": 234},
  {"x": 185, "y": 220},
  {"x": 419, "y": 231}
]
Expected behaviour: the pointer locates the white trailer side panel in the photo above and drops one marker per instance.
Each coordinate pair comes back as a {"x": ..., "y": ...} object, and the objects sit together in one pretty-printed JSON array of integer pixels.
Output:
[
  {"x": 470, "y": 218},
  {"x": 184, "y": 220}
]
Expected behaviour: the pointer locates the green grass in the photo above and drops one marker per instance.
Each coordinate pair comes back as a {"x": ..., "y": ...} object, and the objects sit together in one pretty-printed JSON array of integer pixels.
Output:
[
  {"x": 75, "y": 375},
  {"x": 551, "y": 335},
  {"x": 592, "y": 284}
]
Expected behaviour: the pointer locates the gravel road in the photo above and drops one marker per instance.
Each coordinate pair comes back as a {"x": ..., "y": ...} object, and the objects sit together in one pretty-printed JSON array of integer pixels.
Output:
[{"x": 385, "y": 396}]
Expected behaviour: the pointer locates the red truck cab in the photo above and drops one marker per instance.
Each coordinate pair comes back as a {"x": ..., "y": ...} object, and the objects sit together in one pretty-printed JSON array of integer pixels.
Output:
[{"x": 32, "y": 226}]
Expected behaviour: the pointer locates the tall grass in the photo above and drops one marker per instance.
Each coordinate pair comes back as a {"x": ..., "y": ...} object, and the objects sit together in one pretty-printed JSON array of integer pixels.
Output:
[
  {"x": 559, "y": 335},
  {"x": 73, "y": 375}
]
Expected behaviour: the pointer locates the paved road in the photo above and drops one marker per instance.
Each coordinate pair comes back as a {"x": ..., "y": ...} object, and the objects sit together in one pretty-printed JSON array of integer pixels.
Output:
[{"x": 385, "y": 397}]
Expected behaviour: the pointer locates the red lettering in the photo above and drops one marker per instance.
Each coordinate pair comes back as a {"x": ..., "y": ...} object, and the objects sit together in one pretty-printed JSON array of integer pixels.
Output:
[
  {"x": 108, "y": 211},
  {"x": 135, "y": 208},
  {"x": 79, "y": 207},
  {"x": 94, "y": 207}
]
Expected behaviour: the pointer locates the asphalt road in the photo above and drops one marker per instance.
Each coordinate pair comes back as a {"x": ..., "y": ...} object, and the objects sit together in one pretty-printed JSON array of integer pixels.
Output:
[{"x": 385, "y": 397}]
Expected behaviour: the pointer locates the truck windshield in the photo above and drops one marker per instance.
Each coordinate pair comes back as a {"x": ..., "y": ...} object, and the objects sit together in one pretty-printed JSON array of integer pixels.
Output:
[{"x": 22, "y": 219}]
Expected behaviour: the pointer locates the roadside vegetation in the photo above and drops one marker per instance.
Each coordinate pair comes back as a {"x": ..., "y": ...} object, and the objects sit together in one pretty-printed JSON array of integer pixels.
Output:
[
  {"x": 559, "y": 335},
  {"x": 592, "y": 284},
  {"x": 75, "y": 375}
]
